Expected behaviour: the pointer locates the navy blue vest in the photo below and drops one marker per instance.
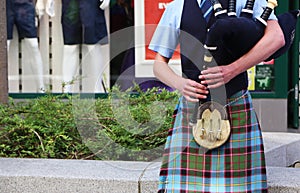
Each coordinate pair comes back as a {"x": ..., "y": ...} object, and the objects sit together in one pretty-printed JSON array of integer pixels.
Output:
[{"x": 192, "y": 36}]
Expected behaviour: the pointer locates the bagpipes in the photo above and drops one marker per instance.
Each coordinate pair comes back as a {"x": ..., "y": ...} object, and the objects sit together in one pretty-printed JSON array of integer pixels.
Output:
[{"x": 229, "y": 38}]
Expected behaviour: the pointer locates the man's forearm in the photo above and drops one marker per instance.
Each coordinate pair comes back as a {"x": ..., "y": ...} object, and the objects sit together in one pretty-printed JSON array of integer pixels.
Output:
[
  {"x": 270, "y": 42},
  {"x": 162, "y": 71}
]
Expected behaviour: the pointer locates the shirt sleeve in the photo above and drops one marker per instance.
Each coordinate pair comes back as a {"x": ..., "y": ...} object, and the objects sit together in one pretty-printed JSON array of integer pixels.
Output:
[{"x": 165, "y": 38}]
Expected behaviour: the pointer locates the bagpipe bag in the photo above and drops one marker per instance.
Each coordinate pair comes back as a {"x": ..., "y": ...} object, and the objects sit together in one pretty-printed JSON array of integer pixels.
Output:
[{"x": 230, "y": 36}]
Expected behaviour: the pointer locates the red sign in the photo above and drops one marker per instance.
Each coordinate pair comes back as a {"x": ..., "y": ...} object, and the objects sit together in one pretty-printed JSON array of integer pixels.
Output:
[{"x": 153, "y": 11}]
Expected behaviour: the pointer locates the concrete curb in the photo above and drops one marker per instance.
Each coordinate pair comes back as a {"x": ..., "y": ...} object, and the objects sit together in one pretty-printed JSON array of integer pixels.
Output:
[
  {"x": 69, "y": 176},
  {"x": 281, "y": 149},
  {"x": 87, "y": 176}
]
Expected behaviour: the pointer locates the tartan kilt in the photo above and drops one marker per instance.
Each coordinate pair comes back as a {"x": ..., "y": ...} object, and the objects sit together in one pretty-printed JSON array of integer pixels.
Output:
[{"x": 236, "y": 166}]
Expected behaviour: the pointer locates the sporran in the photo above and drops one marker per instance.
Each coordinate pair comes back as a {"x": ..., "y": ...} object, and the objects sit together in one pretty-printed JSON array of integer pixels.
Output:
[{"x": 212, "y": 128}]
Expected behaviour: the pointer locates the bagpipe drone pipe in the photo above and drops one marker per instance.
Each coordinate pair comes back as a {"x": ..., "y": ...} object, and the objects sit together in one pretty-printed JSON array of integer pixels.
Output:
[{"x": 230, "y": 36}]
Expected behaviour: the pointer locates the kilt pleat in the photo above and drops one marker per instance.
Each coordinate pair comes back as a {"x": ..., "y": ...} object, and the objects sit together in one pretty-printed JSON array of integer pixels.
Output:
[{"x": 236, "y": 166}]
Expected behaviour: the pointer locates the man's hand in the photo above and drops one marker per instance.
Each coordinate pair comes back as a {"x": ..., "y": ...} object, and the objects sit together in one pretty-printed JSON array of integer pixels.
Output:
[
  {"x": 192, "y": 90},
  {"x": 217, "y": 76}
]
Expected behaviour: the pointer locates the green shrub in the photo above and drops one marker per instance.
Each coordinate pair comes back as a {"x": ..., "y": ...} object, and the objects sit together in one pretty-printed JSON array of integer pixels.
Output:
[{"x": 123, "y": 126}]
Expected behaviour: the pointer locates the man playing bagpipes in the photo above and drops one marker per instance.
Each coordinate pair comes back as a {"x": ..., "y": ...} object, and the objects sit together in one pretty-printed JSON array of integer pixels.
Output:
[
  {"x": 227, "y": 39},
  {"x": 238, "y": 165}
]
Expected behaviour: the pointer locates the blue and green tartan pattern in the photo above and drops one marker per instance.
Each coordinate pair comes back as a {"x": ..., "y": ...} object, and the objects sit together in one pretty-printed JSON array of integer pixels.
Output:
[{"x": 237, "y": 166}]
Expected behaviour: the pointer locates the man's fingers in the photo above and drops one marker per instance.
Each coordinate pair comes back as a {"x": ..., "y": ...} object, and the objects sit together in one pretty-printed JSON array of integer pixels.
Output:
[
  {"x": 195, "y": 95},
  {"x": 213, "y": 83},
  {"x": 212, "y": 70}
]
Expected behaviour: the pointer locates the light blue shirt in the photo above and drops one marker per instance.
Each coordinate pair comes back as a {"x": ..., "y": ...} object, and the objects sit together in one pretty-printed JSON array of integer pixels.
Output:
[{"x": 165, "y": 38}]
